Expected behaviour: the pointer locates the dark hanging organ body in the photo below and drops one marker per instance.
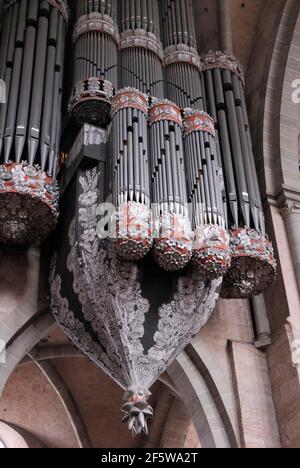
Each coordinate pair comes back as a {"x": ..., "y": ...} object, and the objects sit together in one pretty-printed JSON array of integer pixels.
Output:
[
  {"x": 31, "y": 66},
  {"x": 183, "y": 181},
  {"x": 96, "y": 41},
  {"x": 253, "y": 264}
]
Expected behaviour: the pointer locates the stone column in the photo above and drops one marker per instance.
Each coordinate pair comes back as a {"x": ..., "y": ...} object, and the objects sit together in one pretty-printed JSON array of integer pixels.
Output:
[
  {"x": 261, "y": 321},
  {"x": 291, "y": 214}
]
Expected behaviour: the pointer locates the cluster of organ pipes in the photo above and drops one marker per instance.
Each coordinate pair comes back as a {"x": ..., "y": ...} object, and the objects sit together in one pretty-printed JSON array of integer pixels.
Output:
[
  {"x": 31, "y": 66},
  {"x": 182, "y": 168},
  {"x": 183, "y": 66},
  {"x": 205, "y": 194},
  {"x": 140, "y": 15},
  {"x": 196, "y": 158},
  {"x": 105, "y": 7},
  {"x": 96, "y": 42},
  {"x": 141, "y": 50},
  {"x": 131, "y": 184},
  {"x": 183, "y": 171},
  {"x": 178, "y": 23},
  {"x": 226, "y": 103},
  {"x": 32, "y": 56}
]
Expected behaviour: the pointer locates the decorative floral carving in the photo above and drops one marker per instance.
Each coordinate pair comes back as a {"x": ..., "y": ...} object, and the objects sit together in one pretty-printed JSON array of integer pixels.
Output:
[
  {"x": 137, "y": 410},
  {"x": 133, "y": 227},
  {"x": 179, "y": 322},
  {"x": 98, "y": 22},
  {"x": 182, "y": 53},
  {"x": 211, "y": 253},
  {"x": 28, "y": 204},
  {"x": 142, "y": 38},
  {"x": 253, "y": 266},
  {"x": 173, "y": 249},
  {"x": 91, "y": 101},
  {"x": 219, "y": 59},
  {"x": 130, "y": 98},
  {"x": 195, "y": 120},
  {"x": 164, "y": 110}
]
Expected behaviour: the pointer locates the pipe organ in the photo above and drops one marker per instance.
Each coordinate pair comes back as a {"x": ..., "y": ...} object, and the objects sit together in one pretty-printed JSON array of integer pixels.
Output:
[
  {"x": 32, "y": 58},
  {"x": 211, "y": 253},
  {"x": 131, "y": 185},
  {"x": 141, "y": 49},
  {"x": 173, "y": 247},
  {"x": 165, "y": 133},
  {"x": 183, "y": 66},
  {"x": 165, "y": 154},
  {"x": 96, "y": 41},
  {"x": 253, "y": 266}
]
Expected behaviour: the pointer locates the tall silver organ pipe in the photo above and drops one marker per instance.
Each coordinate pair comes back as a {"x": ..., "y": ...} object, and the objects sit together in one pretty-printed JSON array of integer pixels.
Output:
[
  {"x": 96, "y": 41},
  {"x": 178, "y": 21},
  {"x": 142, "y": 53},
  {"x": 31, "y": 66},
  {"x": 211, "y": 253},
  {"x": 253, "y": 264},
  {"x": 183, "y": 66},
  {"x": 130, "y": 170},
  {"x": 173, "y": 247},
  {"x": 105, "y": 7}
]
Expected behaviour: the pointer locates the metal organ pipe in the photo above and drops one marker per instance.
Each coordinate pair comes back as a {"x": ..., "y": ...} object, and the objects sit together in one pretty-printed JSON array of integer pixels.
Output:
[
  {"x": 96, "y": 41},
  {"x": 183, "y": 66},
  {"x": 185, "y": 86},
  {"x": 173, "y": 247},
  {"x": 130, "y": 169},
  {"x": 142, "y": 54},
  {"x": 32, "y": 56},
  {"x": 211, "y": 253},
  {"x": 253, "y": 264},
  {"x": 15, "y": 81},
  {"x": 225, "y": 25}
]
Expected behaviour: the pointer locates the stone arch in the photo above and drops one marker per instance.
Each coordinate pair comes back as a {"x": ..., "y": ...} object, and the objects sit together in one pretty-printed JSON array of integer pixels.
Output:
[
  {"x": 274, "y": 121},
  {"x": 289, "y": 126},
  {"x": 281, "y": 132},
  {"x": 179, "y": 430},
  {"x": 15, "y": 437},
  {"x": 24, "y": 307},
  {"x": 201, "y": 383},
  {"x": 11, "y": 438},
  {"x": 67, "y": 402},
  {"x": 288, "y": 134},
  {"x": 32, "y": 334},
  {"x": 274, "y": 118}
]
